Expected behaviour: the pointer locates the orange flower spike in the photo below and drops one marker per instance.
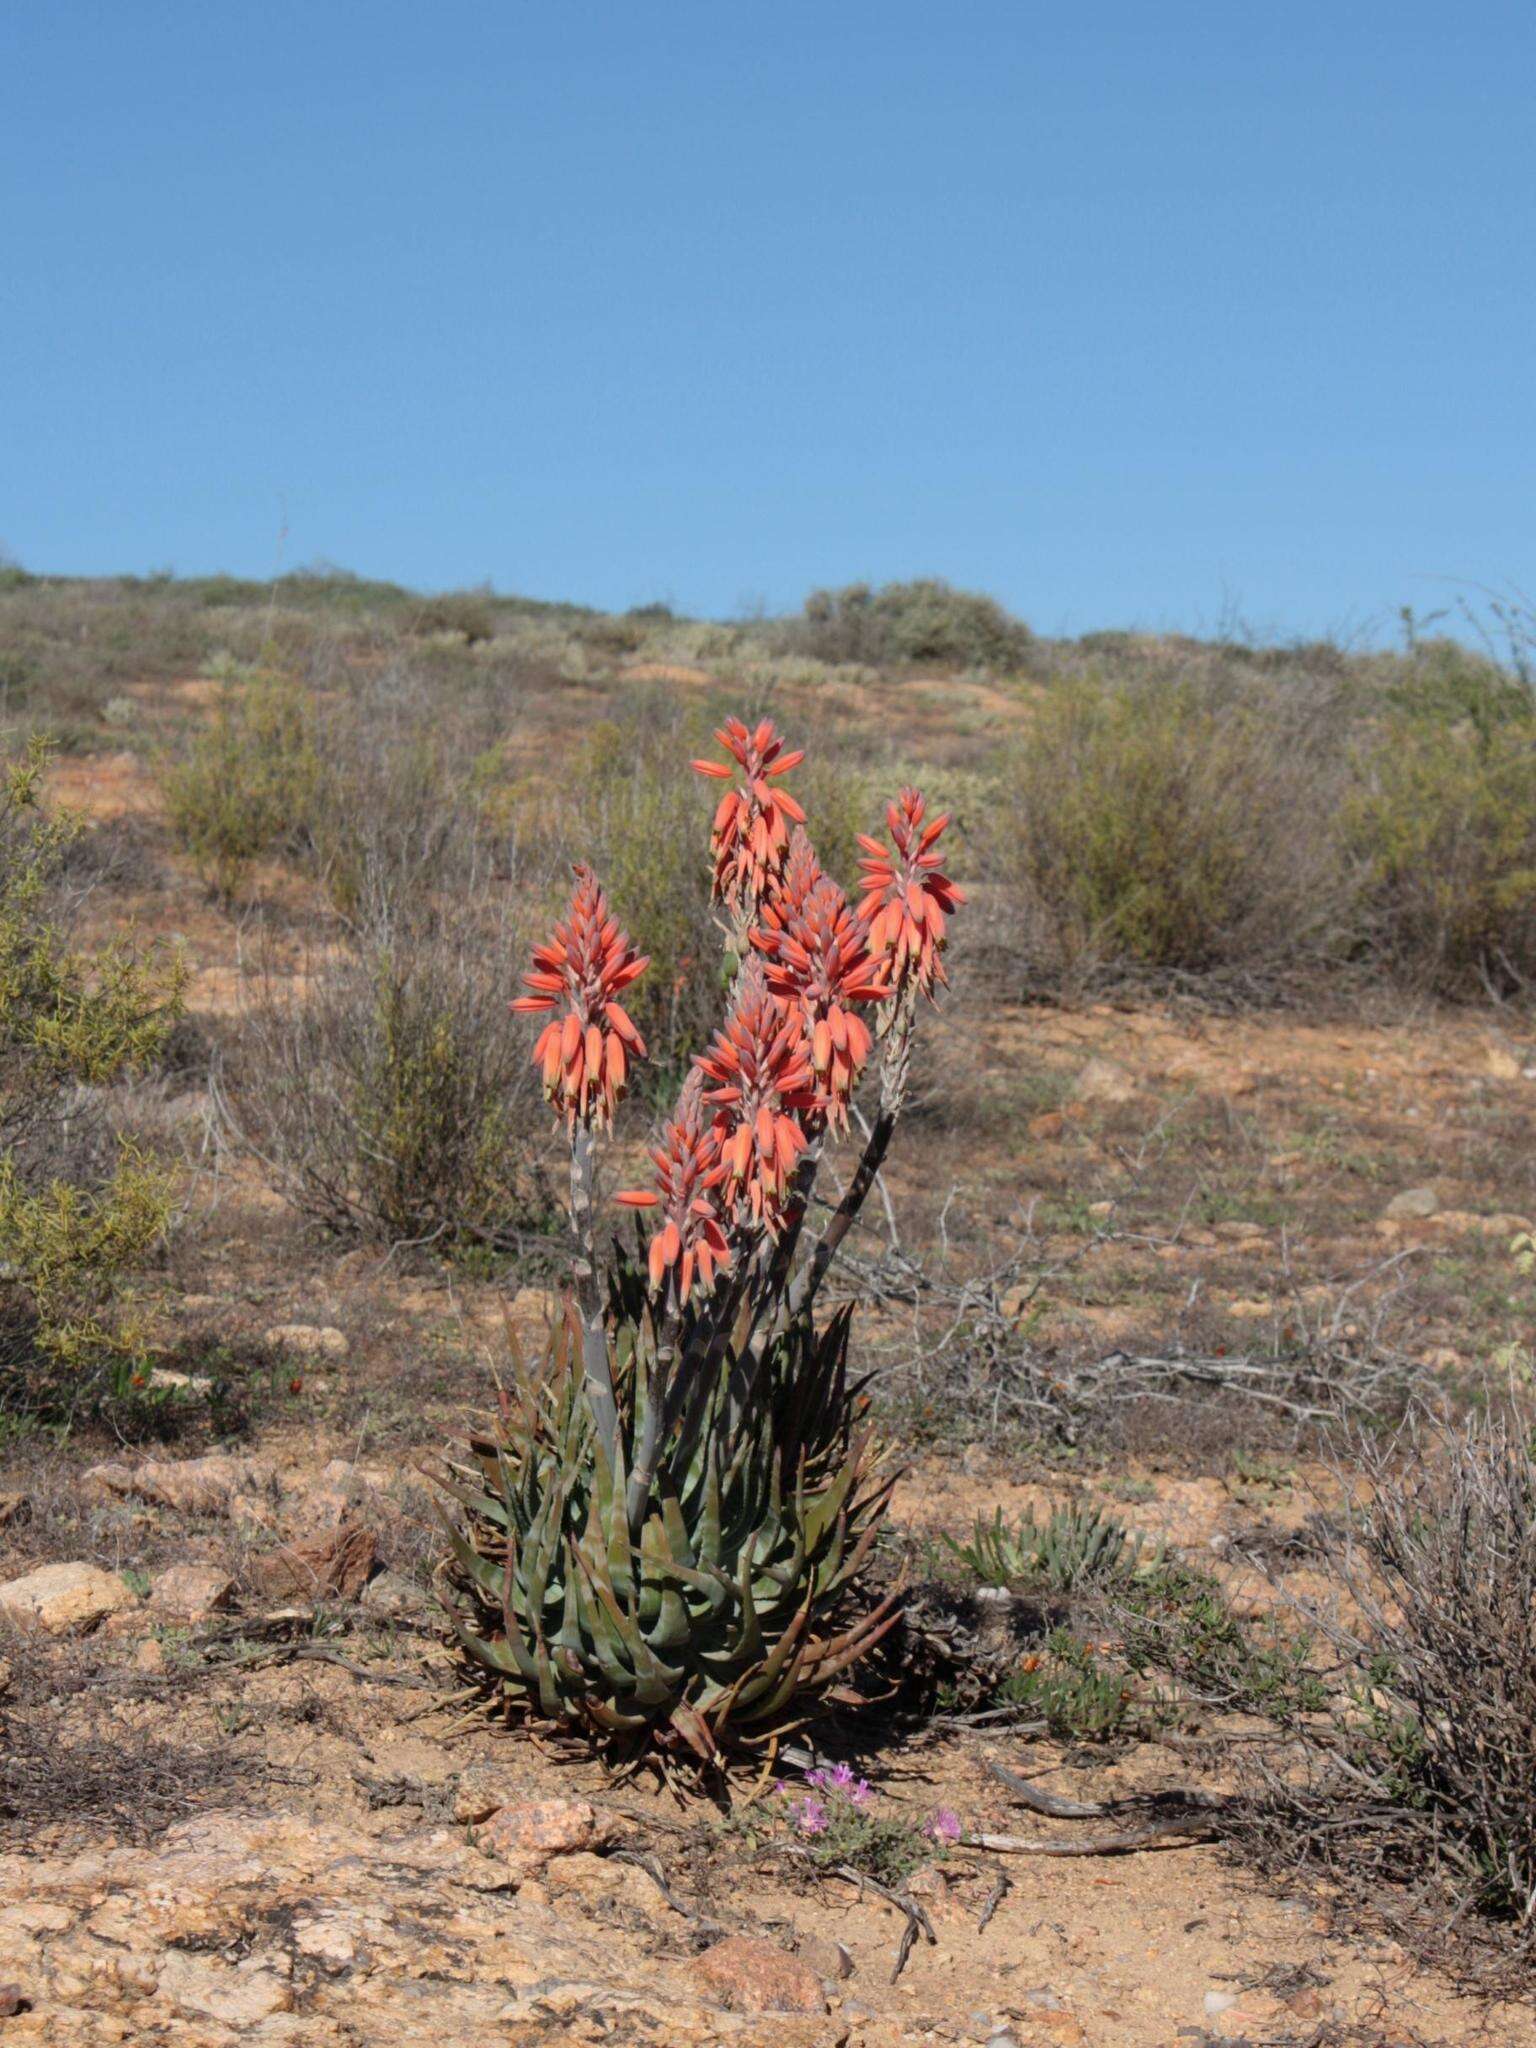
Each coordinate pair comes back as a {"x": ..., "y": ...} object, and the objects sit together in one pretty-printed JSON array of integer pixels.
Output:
[
  {"x": 585, "y": 1052},
  {"x": 817, "y": 961},
  {"x": 764, "y": 1091},
  {"x": 907, "y": 898},
  {"x": 749, "y": 838},
  {"x": 691, "y": 1243}
]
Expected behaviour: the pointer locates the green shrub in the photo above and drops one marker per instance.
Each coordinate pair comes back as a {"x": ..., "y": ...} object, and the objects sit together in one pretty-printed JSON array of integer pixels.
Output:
[
  {"x": 466, "y": 612},
  {"x": 1443, "y": 821},
  {"x": 394, "y": 1099},
  {"x": 68, "y": 1329},
  {"x": 250, "y": 783},
  {"x": 1180, "y": 1623},
  {"x": 1172, "y": 826},
  {"x": 922, "y": 621},
  {"x": 72, "y": 1230}
]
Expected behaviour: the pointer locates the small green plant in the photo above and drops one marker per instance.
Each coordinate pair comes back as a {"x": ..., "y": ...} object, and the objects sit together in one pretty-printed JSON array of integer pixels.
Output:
[
  {"x": 70, "y": 1325},
  {"x": 1257, "y": 1474},
  {"x": 1071, "y": 1548},
  {"x": 1072, "y": 1688},
  {"x": 1179, "y": 1623},
  {"x": 835, "y": 1820}
]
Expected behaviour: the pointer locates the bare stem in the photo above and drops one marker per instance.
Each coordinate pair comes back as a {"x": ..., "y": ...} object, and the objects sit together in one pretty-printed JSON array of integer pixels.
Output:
[
  {"x": 596, "y": 1370},
  {"x": 893, "y": 1088}
]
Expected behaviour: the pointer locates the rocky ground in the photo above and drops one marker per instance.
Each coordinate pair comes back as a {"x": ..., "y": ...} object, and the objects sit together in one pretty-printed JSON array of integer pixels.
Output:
[{"x": 241, "y": 1808}]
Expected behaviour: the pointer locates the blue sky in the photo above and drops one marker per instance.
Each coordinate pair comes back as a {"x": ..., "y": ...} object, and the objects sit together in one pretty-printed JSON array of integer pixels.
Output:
[{"x": 1129, "y": 313}]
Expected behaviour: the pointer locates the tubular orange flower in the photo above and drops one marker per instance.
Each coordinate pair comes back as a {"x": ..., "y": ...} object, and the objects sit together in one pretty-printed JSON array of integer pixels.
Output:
[
  {"x": 749, "y": 840},
  {"x": 760, "y": 1064},
  {"x": 816, "y": 960},
  {"x": 691, "y": 1242},
  {"x": 586, "y": 963},
  {"x": 906, "y": 898}
]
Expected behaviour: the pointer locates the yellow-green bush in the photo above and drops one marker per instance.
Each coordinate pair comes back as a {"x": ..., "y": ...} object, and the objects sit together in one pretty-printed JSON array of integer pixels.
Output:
[
  {"x": 1170, "y": 825},
  {"x": 249, "y": 783},
  {"x": 923, "y": 621},
  {"x": 71, "y": 1232},
  {"x": 1443, "y": 822},
  {"x": 68, "y": 1323},
  {"x": 395, "y": 1100}
]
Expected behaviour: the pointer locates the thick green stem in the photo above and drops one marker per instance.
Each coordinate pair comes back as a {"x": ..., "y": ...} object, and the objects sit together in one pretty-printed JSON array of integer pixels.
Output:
[{"x": 652, "y": 1433}]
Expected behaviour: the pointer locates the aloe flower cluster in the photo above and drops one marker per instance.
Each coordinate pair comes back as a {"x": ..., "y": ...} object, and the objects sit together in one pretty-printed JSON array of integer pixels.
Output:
[
  {"x": 580, "y": 972},
  {"x": 906, "y": 896},
  {"x": 787, "y": 1062},
  {"x": 667, "y": 1551},
  {"x": 749, "y": 840}
]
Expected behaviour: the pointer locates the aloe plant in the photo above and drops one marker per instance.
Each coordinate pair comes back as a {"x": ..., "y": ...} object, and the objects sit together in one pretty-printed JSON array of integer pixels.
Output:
[{"x": 660, "y": 1536}]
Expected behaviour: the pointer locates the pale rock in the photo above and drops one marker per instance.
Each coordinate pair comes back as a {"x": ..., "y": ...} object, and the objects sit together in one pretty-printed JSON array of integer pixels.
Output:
[
  {"x": 208, "y": 1485},
  {"x": 191, "y": 1592},
  {"x": 749, "y": 1975},
  {"x": 1412, "y": 1203},
  {"x": 63, "y": 1599},
  {"x": 171, "y": 1381},
  {"x": 1105, "y": 1081},
  {"x": 603, "y": 1879},
  {"x": 392, "y": 1594},
  {"x": 329, "y": 1939},
  {"x": 307, "y": 1340},
  {"x": 1502, "y": 1065},
  {"x": 476, "y": 1798},
  {"x": 531, "y": 1834},
  {"x": 209, "y": 1990},
  {"x": 829, "y": 1959}
]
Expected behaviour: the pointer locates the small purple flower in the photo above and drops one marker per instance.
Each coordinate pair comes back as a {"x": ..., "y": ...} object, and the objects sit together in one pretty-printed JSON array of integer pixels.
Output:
[
  {"x": 943, "y": 1826},
  {"x": 862, "y": 1793},
  {"x": 810, "y": 1816}
]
